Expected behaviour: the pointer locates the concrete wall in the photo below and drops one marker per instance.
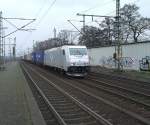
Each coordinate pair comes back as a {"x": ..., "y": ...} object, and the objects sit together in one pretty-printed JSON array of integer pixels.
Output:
[{"x": 132, "y": 53}]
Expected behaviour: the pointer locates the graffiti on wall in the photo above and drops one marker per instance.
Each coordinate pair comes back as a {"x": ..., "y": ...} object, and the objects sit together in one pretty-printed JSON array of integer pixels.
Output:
[
  {"x": 145, "y": 63},
  {"x": 111, "y": 62},
  {"x": 126, "y": 62}
]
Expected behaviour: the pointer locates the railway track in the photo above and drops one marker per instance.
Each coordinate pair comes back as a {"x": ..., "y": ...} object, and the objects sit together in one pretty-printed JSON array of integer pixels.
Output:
[
  {"x": 49, "y": 114},
  {"x": 119, "y": 77},
  {"x": 122, "y": 81},
  {"x": 67, "y": 109},
  {"x": 134, "y": 95},
  {"x": 111, "y": 111},
  {"x": 126, "y": 100}
]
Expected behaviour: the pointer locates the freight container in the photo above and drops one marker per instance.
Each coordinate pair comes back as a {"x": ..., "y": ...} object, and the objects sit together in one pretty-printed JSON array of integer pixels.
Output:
[
  {"x": 33, "y": 57},
  {"x": 39, "y": 57}
]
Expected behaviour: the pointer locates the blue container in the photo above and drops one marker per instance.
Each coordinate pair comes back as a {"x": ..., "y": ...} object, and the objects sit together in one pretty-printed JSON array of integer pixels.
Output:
[
  {"x": 39, "y": 57},
  {"x": 33, "y": 57}
]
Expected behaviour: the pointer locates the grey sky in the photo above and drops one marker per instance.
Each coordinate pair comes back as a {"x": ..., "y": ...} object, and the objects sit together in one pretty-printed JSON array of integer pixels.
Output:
[{"x": 57, "y": 16}]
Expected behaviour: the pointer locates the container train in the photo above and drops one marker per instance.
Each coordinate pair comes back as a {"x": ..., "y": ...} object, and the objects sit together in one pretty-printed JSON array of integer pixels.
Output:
[{"x": 71, "y": 60}]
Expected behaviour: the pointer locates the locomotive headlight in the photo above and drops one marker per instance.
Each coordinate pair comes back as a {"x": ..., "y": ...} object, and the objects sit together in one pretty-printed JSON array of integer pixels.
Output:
[
  {"x": 72, "y": 63},
  {"x": 86, "y": 63}
]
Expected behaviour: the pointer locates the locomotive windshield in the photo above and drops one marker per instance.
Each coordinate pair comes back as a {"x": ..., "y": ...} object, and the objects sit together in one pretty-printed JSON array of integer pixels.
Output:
[{"x": 78, "y": 51}]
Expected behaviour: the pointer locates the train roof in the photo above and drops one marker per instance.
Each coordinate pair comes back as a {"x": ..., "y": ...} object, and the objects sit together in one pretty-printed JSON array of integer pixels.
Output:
[
  {"x": 66, "y": 46},
  {"x": 73, "y": 46}
]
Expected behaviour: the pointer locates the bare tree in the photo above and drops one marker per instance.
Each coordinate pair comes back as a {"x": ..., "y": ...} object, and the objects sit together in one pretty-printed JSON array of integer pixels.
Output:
[
  {"x": 133, "y": 24},
  {"x": 107, "y": 26},
  {"x": 93, "y": 37}
]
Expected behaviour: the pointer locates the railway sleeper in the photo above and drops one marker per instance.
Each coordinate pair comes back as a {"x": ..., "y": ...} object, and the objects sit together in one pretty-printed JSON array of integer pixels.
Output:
[
  {"x": 73, "y": 115},
  {"x": 80, "y": 120},
  {"x": 89, "y": 123},
  {"x": 73, "y": 107},
  {"x": 62, "y": 111},
  {"x": 43, "y": 108},
  {"x": 54, "y": 96},
  {"x": 49, "y": 122},
  {"x": 63, "y": 101},
  {"x": 57, "y": 99},
  {"x": 47, "y": 113},
  {"x": 62, "y": 104}
]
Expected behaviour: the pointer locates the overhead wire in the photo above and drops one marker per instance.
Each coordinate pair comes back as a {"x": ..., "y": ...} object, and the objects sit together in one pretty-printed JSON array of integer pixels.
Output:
[
  {"x": 40, "y": 10},
  {"x": 102, "y": 5},
  {"x": 46, "y": 12},
  {"x": 42, "y": 17},
  {"x": 52, "y": 4},
  {"x": 112, "y": 12},
  {"x": 36, "y": 16},
  {"x": 91, "y": 8}
]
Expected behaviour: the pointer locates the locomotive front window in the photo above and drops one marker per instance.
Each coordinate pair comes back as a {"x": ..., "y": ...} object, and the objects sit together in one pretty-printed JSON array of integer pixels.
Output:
[
  {"x": 63, "y": 52},
  {"x": 78, "y": 51}
]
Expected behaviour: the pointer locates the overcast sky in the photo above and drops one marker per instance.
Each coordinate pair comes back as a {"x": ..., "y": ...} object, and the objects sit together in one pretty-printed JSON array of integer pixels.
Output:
[{"x": 55, "y": 13}]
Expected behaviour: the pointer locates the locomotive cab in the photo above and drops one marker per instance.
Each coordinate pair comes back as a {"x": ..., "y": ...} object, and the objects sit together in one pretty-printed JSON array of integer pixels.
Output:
[{"x": 78, "y": 61}]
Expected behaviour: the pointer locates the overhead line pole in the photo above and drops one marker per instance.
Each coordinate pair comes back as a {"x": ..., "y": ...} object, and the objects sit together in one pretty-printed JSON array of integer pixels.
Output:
[
  {"x": 2, "y": 50},
  {"x": 0, "y": 39},
  {"x": 3, "y": 46},
  {"x": 3, "y": 36},
  {"x": 119, "y": 50},
  {"x": 83, "y": 23},
  {"x": 14, "y": 49}
]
